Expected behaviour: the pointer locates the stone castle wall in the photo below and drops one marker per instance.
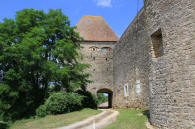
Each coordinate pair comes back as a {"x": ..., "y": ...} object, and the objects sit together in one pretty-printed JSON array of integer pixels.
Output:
[
  {"x": 131, "y": 66},
  {"x": 152, "y": 65},
  {"x": 172, "y": 91},
  {"x": 101, "y": 62},
  {"x": 158, "y": 49}
]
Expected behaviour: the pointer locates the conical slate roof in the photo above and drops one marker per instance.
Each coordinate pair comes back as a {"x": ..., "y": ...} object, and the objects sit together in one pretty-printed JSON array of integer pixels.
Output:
[{"x": 95, "y": 28}]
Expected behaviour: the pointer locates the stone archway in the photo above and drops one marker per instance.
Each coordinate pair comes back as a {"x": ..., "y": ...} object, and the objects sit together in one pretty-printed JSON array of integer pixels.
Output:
[{"x": 110, "y": 94}]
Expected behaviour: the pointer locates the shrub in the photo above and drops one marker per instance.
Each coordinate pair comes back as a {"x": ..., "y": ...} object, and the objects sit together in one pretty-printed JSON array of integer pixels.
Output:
[
  {"x": 41, "y": 111},
  {"x": 59, "y": 103},
  {"x": 3, "y": 125},
  {"x": 90, "y": 100}
]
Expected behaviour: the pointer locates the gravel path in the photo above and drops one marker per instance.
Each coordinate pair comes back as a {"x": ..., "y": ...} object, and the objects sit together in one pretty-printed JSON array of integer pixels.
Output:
[{"x": 95, "y": 122}]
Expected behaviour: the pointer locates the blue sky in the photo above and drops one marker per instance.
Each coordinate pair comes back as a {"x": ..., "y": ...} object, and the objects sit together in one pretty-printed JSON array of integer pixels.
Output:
[{"x": 117, "y": 13}]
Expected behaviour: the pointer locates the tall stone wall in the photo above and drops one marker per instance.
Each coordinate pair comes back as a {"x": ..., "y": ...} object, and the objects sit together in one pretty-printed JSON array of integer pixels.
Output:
[
  {"x": 158, "y": 48},
  {"x": 131, "y": 66},
  {"x": 99, "y": 56},
  {"x": 172, "y": 75}
]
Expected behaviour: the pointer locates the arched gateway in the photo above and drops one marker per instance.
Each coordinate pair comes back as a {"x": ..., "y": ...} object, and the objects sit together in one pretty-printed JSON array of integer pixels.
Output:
[{"x": 109, "y": 93}]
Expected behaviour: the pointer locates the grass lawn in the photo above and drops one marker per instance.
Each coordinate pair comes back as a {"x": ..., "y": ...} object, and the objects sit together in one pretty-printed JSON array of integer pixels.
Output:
[
  {"x": 129, "y": 119},
  {"x": 54, "y": 121}
]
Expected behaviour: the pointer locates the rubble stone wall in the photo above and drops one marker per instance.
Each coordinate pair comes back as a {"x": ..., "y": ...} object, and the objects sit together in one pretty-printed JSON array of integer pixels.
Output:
[
  {"x": 131, "y": 66},
  {"x": 158, "y": 49},
  {"x": 172, "y": 87},
  {"x": 99, "y": 56}
]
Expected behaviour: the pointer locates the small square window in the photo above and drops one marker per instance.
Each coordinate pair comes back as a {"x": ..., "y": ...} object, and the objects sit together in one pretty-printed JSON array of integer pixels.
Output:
[{"x": 157, "y": 44}]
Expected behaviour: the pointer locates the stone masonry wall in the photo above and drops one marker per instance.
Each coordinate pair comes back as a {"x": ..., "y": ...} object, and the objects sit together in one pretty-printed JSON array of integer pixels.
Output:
[
  {"x": 101, "y": 62},
  {"x": 157, "y": 53},
  {"x": 158, "y": 48},
  {"x": 172, "y": 76},
  {"x": 131, "y": 65}
]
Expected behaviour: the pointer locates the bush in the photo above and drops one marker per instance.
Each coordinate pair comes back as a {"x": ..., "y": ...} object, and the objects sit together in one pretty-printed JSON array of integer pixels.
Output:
[
  {"x": 90, "y": 100},
  {"x": 41, "y": 111},
  {"x": 59, "y": 103},
  {"x": 3, "y": 125}
]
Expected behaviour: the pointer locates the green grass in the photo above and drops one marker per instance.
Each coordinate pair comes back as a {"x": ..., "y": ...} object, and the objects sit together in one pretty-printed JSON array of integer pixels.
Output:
[
  {"x": 129, "y": 119},
  {"x": 54, "y": 121}
]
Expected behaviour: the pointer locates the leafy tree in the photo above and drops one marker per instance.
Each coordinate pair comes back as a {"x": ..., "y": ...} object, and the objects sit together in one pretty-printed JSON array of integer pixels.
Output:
[{"x": 37, "y": 51}]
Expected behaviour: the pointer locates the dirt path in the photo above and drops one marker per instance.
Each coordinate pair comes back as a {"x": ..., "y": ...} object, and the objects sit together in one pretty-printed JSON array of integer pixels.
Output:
[
  {"x": 103, "y": 105},
  {"x": 95, "y": 122}
]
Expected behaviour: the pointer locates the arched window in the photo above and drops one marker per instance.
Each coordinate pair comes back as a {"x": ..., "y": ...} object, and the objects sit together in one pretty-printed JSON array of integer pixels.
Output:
[
  {"x": 106, "y": 49},
  {"x": 93, "y": 48}
]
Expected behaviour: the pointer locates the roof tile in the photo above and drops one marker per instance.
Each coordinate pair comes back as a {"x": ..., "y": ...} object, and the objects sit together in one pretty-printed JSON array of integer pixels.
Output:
[{"x": 95, "y": 28}]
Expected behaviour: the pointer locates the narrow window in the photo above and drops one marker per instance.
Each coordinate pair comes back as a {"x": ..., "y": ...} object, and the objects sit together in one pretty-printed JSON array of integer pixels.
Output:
[
  {"x": 138, "y": 87},
  {"x": 106, "y": 49},
  {"x": 93, "y": 48},
  {"x": 157, "y": 44},
  {"x": 126, "y": 92},
  {"x": 93, "y": 58}
]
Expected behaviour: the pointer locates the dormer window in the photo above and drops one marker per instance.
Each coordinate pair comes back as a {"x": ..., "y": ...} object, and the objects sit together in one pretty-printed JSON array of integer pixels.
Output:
[{"x": 93, "y": 48}]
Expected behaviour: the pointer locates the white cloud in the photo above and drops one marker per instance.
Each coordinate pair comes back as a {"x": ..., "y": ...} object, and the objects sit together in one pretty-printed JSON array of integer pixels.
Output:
[{"x": 104, "y": 3}]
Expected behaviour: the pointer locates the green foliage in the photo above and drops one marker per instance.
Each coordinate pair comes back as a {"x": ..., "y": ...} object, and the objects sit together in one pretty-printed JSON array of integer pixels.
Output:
[
  {"x": 59, "y": 103},
  {"x": 101, "y": 98},
  {"x": 3, "y": 125},
  {"x": 90, "y": 100},
  {"x": 37, "y": 50},
  {"x": 41, "y": 111},
  {"x": 62, "y": 102}
]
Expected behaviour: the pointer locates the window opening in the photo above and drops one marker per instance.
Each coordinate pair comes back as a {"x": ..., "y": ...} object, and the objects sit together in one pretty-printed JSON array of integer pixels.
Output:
[
  {"x": 106, "y": 49},
  {"x": 126, "y": 92},
  {"x": 157, "y": 44},
  {"x": 138, "y": 87},
  {"x": 93, "y": 48}
]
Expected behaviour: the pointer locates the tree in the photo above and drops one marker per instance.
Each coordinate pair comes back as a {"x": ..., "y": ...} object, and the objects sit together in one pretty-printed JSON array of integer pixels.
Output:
[{"x": 38, "y": 51}]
